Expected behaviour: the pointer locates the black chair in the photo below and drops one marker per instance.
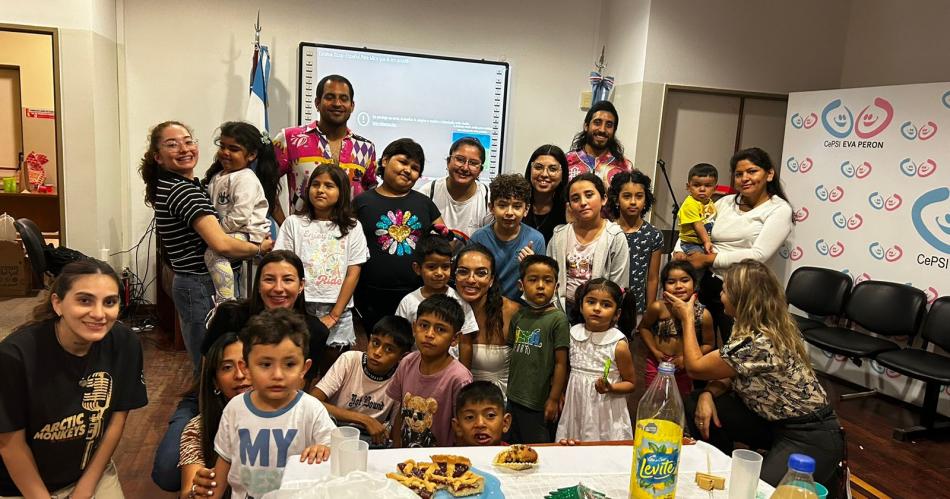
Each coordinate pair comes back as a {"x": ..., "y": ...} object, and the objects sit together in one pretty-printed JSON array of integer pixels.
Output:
[
  {"x": 33, "y": 241},
  {"x": 931, "y": 368},
  {"x": 817, "y": 291},
  {"x": 883, "y": 308}
]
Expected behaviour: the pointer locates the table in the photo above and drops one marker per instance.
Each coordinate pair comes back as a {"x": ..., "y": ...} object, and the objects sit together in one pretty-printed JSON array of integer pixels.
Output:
[{"x": 603, "y": 467}]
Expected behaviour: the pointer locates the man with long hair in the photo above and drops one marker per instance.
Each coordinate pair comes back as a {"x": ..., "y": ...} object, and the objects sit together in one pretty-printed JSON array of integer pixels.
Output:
[{"x": 595, "y": 148}]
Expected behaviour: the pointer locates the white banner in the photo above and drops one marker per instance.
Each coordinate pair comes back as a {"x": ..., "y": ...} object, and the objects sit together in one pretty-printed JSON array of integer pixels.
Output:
[{"x": 867, "y": 172}]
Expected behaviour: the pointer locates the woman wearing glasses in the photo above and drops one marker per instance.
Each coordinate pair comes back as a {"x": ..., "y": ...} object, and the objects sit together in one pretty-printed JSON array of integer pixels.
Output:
[
  {"x": 461, "y": 199},
  {"x": 187, "y": 225},
  {"x": 547, "y": 172}
]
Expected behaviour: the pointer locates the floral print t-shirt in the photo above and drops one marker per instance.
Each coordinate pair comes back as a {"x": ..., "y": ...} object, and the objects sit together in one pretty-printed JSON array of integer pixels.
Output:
[
  {"x": 393, "y": 227},
  {"x": 642, "y": 244},
  {"x": 774, "y": 384}
]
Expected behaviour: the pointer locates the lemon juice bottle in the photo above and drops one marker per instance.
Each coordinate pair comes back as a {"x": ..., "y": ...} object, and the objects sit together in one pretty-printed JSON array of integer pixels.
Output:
[{"x": 658, "y": 438}]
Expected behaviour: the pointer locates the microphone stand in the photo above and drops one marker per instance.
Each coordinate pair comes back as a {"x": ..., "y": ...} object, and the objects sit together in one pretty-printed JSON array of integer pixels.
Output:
[{"x": 676, "y": 206}]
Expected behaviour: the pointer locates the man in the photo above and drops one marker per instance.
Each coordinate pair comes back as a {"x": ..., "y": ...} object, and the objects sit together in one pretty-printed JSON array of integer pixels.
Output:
[
  {"x": 595, "y": 148},
  {"x": 462, "y": 200},
  {"x": 300, "y": 149}
]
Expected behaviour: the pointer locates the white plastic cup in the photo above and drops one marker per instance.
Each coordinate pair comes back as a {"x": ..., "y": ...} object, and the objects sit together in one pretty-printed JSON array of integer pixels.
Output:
[
  {"x": 744, "y": 477},
  {"x": 337, "y": 438},
  {"x": 352, "y": 456}
]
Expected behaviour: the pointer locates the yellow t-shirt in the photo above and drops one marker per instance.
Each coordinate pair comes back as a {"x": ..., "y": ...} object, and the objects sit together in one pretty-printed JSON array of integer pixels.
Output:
[{"x": 694, "y": 211}]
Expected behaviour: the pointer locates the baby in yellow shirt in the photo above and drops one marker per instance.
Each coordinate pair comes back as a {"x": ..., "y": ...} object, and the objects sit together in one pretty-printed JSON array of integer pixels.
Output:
[{"x": 698, "y": 212}]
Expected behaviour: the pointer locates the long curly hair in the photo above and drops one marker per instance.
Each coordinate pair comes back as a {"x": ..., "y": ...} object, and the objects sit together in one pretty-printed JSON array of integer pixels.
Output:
[{"x": 149, "y": 168}]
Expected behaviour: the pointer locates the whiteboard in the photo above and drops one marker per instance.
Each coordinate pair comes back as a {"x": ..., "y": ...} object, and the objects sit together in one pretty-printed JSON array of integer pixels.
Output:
[{"x": 432, "y": 99}]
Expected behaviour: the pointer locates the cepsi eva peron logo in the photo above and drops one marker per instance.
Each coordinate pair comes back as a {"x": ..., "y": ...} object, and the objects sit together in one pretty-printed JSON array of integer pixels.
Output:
[{"x": 839, "y": 121}]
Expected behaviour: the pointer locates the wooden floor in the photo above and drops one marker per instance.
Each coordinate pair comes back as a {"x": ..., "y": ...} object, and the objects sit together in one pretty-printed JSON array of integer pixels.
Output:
[{"x": 888, "y": 468}]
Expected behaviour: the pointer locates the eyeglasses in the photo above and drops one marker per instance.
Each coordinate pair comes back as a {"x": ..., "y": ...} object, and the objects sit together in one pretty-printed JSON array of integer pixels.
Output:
[
  {"x": 463, "y": 273},
  {"x": 462, "y": 161},
  {"x": 174, "y": 145},
  {"x": 551, "y": 169}
]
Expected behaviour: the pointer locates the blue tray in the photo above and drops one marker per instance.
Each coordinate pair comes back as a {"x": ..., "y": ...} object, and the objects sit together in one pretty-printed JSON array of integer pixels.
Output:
[{"x": 492, "y": 488}]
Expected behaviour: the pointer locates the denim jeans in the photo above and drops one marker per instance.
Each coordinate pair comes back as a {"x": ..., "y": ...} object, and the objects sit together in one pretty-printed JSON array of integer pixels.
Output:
[
  {"x": 194, "y": 297},
  {"x": 165, "y": 472}
]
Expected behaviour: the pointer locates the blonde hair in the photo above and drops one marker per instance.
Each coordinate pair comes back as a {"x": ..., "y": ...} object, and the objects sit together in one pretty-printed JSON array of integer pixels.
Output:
[{"x": 760, "y": 306}]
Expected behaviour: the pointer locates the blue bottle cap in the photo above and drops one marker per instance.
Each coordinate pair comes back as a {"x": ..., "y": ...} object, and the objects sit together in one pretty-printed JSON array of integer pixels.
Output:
[
  {"x": 666, "y": 368},
  {"x": 802, "y": 463}
]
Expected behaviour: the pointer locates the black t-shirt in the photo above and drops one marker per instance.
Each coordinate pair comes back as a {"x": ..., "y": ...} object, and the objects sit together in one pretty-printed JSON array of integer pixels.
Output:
[
  {"x": 393, "y": 227},
  {"x": 232, "y": 316},
  {"x": 63, "y": 402},
  {"x": 546, "y": 223}
]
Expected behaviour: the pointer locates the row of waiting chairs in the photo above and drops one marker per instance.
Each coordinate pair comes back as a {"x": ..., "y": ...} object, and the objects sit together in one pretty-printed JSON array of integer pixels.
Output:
[{"x": 887, "y": 310}]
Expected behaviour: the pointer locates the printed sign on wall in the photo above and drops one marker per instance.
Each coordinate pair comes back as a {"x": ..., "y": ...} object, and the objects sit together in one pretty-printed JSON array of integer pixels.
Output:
[{"x": 867, "y": 171}]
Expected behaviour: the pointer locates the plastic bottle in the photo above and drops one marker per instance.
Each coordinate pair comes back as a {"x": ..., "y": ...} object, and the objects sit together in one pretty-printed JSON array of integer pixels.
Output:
[
  {"x": 658, "y": 438},
  {"x": 798, "y": 482}
]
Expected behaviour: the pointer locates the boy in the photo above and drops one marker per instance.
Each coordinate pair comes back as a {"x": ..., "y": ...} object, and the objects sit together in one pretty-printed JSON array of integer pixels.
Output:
[
  {"x": 698, "y": 212},
  {"x": 354, "y": 389},
  {"x": 260, "y": 429},
  {"x": 539, "y": 336},
  {"x": 428, "y": 380},
  {"x": 480, "y": 416},
  {"x": 433, "y": 263},
  {"x": 508, "y": 239}
]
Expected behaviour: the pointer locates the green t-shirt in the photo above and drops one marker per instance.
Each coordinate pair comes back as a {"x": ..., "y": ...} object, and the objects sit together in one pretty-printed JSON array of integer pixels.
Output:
[{"x": 533, "y": 336}]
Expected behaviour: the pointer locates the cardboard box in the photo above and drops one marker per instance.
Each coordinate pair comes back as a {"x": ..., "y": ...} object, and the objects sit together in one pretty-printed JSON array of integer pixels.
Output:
[{"x": 16, "y": 278}]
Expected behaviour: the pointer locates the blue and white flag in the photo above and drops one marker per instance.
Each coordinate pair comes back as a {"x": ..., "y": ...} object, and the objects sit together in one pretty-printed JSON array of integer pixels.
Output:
[{"x": 256, "y": 113}]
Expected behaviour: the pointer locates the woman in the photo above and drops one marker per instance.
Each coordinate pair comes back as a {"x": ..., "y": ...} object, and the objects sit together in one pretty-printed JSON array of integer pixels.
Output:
[
  {"x": 277, "y": 284},
  {"x": 751, "y": 224},
  {"x": 223, "y": 376},
  {"x": 764, "y": 392},
  {"x": 68, "y": 378},
  {"x": 187, "y": 225},
  {"x": 475, "y": 282},
  {"x": 547, "y": 173}
]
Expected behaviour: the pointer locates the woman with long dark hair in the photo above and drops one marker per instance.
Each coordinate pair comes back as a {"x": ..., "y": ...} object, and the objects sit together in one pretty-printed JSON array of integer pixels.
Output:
[
  {"x": 68, "y": 378},
  {"x": 547, "y": 173}
]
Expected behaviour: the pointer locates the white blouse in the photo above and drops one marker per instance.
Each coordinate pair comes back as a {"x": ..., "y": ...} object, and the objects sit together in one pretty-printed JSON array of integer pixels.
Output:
[{"x": 757, "y": 233}]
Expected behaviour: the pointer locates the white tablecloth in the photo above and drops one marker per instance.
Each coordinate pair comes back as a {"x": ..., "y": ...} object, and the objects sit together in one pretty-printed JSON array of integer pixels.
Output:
[{"x": 603, "y": 468}]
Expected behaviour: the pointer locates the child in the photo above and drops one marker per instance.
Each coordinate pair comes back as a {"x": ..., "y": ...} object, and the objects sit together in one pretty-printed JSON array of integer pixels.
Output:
[
  {"x": 590, "y": 246},
  {"x": 393, "y": 217},
  {"x": 539, "y": 336},
  {"x": 698, "y": 211},
  {"x": 428, "y": 380},
  {"x": 262, "y": 427},
  {"x": 433, "y": 262},
  {"x": 663, "y": 334},
  {"x": 595, "y": 405},
  {"x": 507, "y": 237},
  {"x": 630, "y": 199},
  {"x": 242, "y": 197},
  {"x": 354, "y": 389},
  {"x": 330, "y": 241},
  {"x": 480, "y": 417}
]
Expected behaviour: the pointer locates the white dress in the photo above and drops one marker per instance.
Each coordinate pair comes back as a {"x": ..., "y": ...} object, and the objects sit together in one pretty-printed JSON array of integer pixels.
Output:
[
  {"x": 589, "y": 415},
  {"x": 490, "y": 363}
]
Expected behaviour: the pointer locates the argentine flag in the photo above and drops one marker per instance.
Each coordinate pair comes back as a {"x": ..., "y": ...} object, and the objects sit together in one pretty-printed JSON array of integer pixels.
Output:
[{"x": 256, "y": 113}]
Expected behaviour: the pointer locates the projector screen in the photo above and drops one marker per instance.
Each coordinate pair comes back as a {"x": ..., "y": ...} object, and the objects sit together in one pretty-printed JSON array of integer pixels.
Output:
[{"x": 432, "y": 99}]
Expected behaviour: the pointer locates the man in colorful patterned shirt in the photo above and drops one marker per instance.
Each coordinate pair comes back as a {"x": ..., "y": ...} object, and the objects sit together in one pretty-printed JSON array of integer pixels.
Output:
[
  {"x": 300, "y": 149},
  {"x": 595, "y": 148}
]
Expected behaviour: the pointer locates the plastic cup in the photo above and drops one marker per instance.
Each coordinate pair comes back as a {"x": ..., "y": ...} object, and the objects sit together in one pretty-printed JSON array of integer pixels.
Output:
[
  {"x": 337, "y": 438},
  {"x": 351, "y": 455},
  {"x": 822, "y": 491},
  {"x": 744, "y": 477}
]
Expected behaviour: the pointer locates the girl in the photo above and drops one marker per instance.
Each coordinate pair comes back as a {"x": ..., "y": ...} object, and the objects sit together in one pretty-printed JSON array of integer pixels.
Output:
[
  {"x": 590, "y": 246},
  {"x": 242, "y": 193},
  {"x": 661, "y": 330},
  {"x": 595, "y": 405},
  {"x": 70, "y": 377},
  {"x": 332, "y": 245},
  {"x": 547, "y": 173},
  {"x": 393, "y": 217},
  {"x": 763, "y": 391},
  {"x": 629, "y": 199}
]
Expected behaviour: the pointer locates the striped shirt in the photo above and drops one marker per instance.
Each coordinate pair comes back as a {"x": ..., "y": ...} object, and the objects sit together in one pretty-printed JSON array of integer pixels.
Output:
[{"x": 178, "y": 203}]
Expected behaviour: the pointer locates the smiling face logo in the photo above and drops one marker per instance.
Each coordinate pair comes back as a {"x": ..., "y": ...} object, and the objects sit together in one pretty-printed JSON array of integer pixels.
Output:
[
  {"x": 931, "y": 217},
  {"x": 927, "y": 131},
  {"x": 837, "y": 119},
  {"x": 861, "y": 278},
  {"x": 894, "y": 253},
  {"x": 821, "y": 246},
  {"x": 893, "y": 202},
  {"x": 839, "y": 220},
  {"x": 792, "y": 164},
  {"x": 807, "y": 122},
  {"x": 847, "y": 169},
  {"x": 911, "y": 131},
  {"x": 801, "y": 214},
  {"x": 876, "y": 250},
  {"x": 923, "y": 170},
  {"x": 836, "y": 249},
  {"x": 876, "y": 200},
  {"x": 855, "y": 221},
  {"x": 863, "y": 170},
  {"x": 796, "y": 254},
  {"x": 873, "y": 119},
  {"x": 836, "y": 194}
]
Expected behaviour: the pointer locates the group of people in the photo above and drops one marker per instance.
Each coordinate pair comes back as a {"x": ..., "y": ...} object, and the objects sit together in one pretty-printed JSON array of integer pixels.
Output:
[{"x": 500, "y": 313}]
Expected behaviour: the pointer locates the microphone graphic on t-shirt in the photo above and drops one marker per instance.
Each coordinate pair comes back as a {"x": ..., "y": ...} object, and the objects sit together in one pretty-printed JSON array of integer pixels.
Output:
[{"x": 96, "y": 399}]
